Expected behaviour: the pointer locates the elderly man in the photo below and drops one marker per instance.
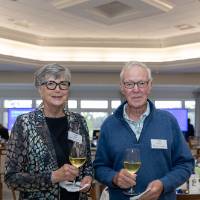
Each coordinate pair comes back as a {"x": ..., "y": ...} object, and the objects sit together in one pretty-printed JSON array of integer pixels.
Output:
[{"x": 166, "y": 161}]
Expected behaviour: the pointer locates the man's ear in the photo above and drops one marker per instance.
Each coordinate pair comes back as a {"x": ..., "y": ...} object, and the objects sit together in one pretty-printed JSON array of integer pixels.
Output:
[
  {"x": 150, "y": 85},
  {"x": 121, "y": 88}
]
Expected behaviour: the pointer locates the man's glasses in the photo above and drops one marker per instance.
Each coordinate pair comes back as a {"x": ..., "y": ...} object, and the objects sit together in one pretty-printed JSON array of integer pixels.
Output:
[
  {"x": 51, "y": 85},
  {"x": 131, "y": 84}
]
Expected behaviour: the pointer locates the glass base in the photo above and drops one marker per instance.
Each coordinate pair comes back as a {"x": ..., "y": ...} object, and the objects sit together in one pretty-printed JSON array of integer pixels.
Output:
[
  {"x": 73, "y": 188},
  {"x": 70, "y": 186},
  {"x": 130, "y": 192}
]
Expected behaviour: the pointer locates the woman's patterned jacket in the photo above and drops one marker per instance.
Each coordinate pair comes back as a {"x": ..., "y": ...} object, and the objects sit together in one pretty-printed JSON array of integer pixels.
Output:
[{"x": 31, "y": 156}]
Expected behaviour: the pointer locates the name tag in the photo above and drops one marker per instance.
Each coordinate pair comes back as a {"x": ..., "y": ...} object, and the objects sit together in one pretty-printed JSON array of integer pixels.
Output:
[
  {"x": 158, "y": 144},
  {"x": 74, "y": 137},
  {"x": 194, "y": 186}
]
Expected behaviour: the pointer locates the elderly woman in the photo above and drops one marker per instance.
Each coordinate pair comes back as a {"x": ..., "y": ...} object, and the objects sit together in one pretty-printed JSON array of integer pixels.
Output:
[{"x": 40, "y": 143}]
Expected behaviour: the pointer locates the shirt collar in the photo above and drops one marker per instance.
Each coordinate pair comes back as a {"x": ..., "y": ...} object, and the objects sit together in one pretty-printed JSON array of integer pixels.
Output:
[{"x": 142, "y": 117}]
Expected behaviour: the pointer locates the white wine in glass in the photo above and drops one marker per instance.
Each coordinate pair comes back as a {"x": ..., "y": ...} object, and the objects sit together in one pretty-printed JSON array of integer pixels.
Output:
[
  {"x": 77, "y": 162},
  {"x": 77, "y": 158},
  {"x": 132, "y": 167},
  {"x": 132, "y": 163}
]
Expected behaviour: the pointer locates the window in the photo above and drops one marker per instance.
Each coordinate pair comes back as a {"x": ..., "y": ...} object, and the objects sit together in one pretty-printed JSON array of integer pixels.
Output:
[
  {"x": 190, "y": 104},
  {"x": 95, "y": 110},
  {"x": 115, "y": 103},
  {"x": 17, "y": 103},
  {"x": 97, "y": 104},
  {"x": 94, "y": 120},
  {"x": 168, "y": 104},
  {"x": 38, "y": 102},
  {"x": 72, "y": 103}
]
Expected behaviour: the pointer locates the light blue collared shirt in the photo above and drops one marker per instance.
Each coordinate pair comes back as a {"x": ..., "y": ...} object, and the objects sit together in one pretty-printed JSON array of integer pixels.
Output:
[{"x": 136, "y": 126}]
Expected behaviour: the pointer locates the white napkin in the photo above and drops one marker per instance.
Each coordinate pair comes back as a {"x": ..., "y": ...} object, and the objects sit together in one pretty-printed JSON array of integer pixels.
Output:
[
  {"x": 70, "y": 188},
  {"x": 138, "y": 196}
]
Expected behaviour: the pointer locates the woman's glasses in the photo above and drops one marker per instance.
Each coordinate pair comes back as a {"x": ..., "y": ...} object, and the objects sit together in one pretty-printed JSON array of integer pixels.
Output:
[{"x": 51, "y": 85}]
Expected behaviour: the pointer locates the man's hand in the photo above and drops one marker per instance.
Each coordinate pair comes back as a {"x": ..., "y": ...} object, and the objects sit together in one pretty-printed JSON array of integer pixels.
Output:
[
  {"x": 124, "y": 179},
  {"x": 86, "y": 181},
  {"x": 156, "y": 188}
]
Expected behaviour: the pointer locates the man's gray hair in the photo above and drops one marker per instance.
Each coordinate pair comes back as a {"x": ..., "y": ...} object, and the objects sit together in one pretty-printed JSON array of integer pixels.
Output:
[
  {"x": 51, "y": 70},
  {"x": 131, "y": 64}
]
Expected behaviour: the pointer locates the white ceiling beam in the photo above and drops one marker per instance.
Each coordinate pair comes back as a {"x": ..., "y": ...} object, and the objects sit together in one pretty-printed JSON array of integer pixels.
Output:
[{"x": 163, "y": 5}]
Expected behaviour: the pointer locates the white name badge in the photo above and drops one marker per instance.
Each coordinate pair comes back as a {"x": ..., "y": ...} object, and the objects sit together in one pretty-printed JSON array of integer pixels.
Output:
[
  {"x": 74, "y": 137},
  {"x": 158, "y": 144}
]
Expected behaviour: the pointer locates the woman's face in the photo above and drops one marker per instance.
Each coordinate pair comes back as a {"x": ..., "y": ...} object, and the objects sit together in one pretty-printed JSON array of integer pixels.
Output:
[{"x": 54, "y": 98}]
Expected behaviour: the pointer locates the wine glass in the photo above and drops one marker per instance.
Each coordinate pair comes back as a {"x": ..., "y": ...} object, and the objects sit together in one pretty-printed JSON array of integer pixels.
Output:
[
  {"x": 77, "y": 158},
  {"x": 132, "y": 163}
]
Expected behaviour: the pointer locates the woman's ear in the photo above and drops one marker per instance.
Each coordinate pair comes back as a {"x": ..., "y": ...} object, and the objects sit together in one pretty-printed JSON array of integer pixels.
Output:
[{"x": 40, "y": 91}]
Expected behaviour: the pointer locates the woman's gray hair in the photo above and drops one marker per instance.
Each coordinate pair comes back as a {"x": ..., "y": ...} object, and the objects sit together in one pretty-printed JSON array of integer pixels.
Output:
[
  {"x": 131, "y": 64},
  {"x": 51, "y": 70}
]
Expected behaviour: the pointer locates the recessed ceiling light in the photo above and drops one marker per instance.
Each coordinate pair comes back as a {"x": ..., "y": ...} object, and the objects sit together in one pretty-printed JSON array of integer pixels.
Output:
[
  {"x": 11, "y": 19},
  {"x": 184, "y": 26},
  {"x": 22, "y": 23}
]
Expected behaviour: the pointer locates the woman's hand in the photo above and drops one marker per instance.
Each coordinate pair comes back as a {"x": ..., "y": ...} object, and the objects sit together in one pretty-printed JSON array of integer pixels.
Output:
[
  {"x": 65, "y": 173},
  {"x": 86, "y": 180}
]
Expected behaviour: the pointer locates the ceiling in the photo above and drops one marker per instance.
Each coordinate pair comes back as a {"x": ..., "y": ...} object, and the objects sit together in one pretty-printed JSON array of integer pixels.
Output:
[{"x": 100, "y": 35}]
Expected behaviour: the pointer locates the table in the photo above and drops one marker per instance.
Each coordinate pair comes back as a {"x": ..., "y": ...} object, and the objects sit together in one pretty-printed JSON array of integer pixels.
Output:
[
  {"x": 188, "y": 196},
  {"x": 97, "y": 188}
]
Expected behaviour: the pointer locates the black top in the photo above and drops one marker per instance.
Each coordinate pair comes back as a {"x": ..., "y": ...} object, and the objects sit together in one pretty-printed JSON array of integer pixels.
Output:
[
  {"x": 58, "y": 128},
  {"x": 4, "y": 133}
]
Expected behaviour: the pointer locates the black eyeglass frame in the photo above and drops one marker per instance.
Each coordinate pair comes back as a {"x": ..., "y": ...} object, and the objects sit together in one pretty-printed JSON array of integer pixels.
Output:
[
  {"x": 46, "y": 83},
  {"x": 131, "y": 84}
]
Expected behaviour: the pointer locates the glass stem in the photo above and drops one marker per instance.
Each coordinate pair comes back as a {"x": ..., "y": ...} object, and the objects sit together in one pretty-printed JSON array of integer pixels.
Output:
[
  {"x": 132, "y": 190},
  {"x": 74, "y": 182}
]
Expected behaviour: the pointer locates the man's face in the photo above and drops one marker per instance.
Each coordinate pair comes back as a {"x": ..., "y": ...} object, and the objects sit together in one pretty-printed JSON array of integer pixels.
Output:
[{"x": 136, "y": 86}]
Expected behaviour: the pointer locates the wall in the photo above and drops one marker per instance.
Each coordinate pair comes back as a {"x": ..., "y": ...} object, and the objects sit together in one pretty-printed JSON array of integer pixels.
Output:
[
  {"x": 104, "y": 85},
  {"x": 15, "y": 84}
]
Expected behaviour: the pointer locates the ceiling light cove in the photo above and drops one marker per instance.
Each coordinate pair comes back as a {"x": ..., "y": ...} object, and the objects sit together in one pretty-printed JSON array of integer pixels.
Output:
[{"x": 98, "y": 54}]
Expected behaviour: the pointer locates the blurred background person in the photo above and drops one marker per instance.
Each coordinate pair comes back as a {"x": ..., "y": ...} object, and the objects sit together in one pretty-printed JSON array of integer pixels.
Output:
[
  {"x": 40, "y": 143},
  {"x": 4, "y": 134},
  {"x": 190, "y": 132},
  {"x": 166, "y": 160}
]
